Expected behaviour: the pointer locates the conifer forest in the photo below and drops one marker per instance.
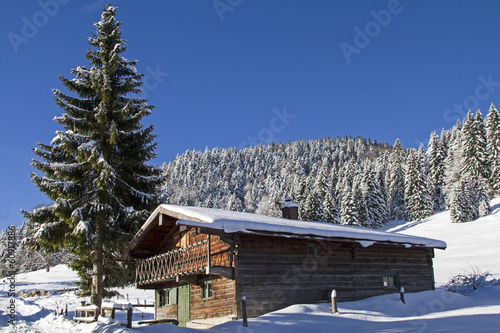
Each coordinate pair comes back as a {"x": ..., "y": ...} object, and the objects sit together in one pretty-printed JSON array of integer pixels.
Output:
[{"x": 350, "y": 181}]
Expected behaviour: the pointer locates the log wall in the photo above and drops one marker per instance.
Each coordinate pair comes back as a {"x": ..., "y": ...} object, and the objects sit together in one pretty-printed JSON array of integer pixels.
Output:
[
  {"x": 222, "y": 303},
  {"x": 277, "y": 272}
]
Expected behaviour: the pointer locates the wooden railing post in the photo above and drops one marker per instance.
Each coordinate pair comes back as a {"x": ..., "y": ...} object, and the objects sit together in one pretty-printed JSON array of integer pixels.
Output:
[
  {"x": 129, "y": 315},
  {"x": 334, "y": 301},
  {"x": 244, "y": 311},
  {"x": 402, "y": 295}
]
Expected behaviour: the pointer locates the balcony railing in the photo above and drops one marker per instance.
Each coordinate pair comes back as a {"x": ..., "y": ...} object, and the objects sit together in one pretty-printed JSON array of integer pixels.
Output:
[{"x": 192, "y": 259}]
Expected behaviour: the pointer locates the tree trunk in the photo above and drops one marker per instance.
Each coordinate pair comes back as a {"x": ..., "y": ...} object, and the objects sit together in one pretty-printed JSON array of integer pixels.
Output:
[
  {"x": 47, "y": 263},
  {"x": 96, "y": 290}
]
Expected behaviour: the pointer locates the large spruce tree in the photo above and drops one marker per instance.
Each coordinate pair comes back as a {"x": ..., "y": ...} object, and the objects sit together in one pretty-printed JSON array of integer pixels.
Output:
[
  {"x": 436, "y": 158},
  {"x": 418, "y": 200},
  {"x": 396, "y": 185},
  {"x": 95, "y": 170},
  {"x": 492, "y": 124}
]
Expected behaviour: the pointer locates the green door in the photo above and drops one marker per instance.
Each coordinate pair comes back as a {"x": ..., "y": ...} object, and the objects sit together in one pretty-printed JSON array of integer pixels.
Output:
[{"x": 183, "y": 305}]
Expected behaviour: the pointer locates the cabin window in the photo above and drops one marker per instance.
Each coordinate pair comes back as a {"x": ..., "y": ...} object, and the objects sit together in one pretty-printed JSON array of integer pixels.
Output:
[
  {"x": 206, "y": 289},
  {"x": 165, "y": 297},
  {"x": 391, "y": 280},
  {"x": 312, "y": 249}
]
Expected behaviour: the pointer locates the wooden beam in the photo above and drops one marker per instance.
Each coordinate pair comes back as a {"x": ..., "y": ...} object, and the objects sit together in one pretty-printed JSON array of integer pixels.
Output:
[
  {"x": 209, "y": 263},
  {"x": 165, "y": 239},
  {"x": 227, "y": 272}
]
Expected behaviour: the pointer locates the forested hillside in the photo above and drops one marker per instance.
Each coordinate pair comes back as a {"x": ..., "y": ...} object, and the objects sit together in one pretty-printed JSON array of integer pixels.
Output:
[{"x": 349, "y": 181}]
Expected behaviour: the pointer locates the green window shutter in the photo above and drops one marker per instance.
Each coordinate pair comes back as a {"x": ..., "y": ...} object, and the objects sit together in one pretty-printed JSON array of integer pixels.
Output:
[
  {"x": 157, "y": 298},
  {"x": 173, "y": 296}
]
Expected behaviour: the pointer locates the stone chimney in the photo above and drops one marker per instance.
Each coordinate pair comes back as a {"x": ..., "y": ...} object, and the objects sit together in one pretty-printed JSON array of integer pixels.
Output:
[{"x": 290, "y": 209}]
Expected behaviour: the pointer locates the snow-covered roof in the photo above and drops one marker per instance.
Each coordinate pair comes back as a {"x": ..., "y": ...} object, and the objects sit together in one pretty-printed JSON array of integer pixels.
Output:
[{"x": 238, "y": 222}]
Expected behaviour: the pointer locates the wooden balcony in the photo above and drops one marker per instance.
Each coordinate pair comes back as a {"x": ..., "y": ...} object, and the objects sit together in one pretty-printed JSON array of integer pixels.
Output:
[{"x": 172, "y": 265}]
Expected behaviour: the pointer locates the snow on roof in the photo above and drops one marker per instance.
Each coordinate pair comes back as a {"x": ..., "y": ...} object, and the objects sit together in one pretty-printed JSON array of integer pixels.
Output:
[{"x": 238, "y": 222}]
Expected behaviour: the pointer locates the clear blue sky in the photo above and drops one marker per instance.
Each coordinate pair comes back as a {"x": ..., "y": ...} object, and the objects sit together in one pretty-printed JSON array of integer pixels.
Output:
[{"x": 227, "y": 73}]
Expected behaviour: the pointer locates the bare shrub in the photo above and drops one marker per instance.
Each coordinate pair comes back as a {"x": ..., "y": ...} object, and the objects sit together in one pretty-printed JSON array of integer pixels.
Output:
[{"x": 470, "y": 281}]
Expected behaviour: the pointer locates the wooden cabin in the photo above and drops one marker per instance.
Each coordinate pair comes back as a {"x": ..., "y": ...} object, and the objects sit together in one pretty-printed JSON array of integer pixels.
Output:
[{"x": 202, "y": 261}]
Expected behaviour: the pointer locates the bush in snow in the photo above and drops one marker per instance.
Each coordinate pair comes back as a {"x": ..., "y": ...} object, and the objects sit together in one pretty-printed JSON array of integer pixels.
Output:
[{"x": 471, "y": 281}]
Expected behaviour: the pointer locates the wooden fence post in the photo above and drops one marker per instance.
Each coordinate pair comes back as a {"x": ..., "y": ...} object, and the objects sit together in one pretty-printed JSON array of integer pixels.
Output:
[
  {"x": 244, "y": 310},
  {"x": 334, "y": 301},
  {"x": 402, "y": 295},
  {"x": 66, "y": 311},
  {"x": 129, "y": 315}
]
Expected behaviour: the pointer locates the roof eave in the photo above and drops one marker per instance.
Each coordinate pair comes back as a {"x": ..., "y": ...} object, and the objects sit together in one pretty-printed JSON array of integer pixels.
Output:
[
  {"x": 217, "y": 230},
  {"x": 148, "y": 225}
]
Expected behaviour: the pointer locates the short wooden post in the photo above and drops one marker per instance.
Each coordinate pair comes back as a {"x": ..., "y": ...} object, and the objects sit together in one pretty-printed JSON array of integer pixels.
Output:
[
  {"x": 334, "y": 301},
  {"x": 244, "y": 311},
  {"x": 402, "y": 295},
  {"x": 129, "y": 315},
  {"x": 66, "y": 311}
]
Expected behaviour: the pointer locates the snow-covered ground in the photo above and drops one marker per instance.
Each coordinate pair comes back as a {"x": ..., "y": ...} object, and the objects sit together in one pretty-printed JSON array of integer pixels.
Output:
[{"x": 470, "y": 245}]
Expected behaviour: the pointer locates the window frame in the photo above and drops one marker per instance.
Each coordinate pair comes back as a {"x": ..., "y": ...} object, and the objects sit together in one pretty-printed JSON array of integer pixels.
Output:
[
  {"x": 166, "y": 297},
  {"x": 207, "y": 289},
  {"x": 315, "y": 250},
  {"x": 395, "y": 280}
]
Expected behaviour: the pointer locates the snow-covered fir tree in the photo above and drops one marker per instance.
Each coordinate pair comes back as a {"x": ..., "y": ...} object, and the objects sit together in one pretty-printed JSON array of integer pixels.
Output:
[
  {"x": 453, "y": 164},
  {"x": 436, "y": 156},
  {"x": 418, "y": 200},
  {"x": 331, "y": 208},
  {"x": 349, "y": 210},
  {"x": 475, "y": 161},
  {"x": 492, "y": 125},
  {"x": 374, "y": 200},
  {"x": 396, "y": 185},
  {"x": 476, "y": 167},
  {"x": 95, "y": 170}
]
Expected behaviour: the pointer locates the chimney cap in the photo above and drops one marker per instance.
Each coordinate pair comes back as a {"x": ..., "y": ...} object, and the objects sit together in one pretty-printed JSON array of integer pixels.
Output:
[{"x": 289, "y": 203}]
